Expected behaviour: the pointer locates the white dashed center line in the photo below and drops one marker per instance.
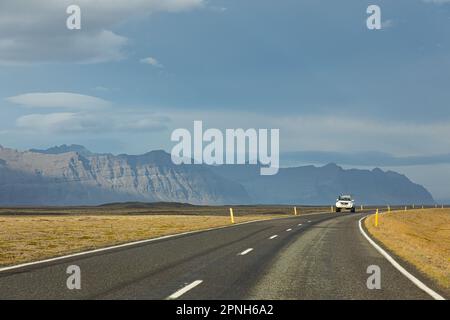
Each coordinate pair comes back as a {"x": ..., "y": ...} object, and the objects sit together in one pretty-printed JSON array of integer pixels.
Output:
[
  {"x": 243, "y": 253},
  {"x": 299, "y": 224},
  {"x": 182, "y": 291},
  {"x": 289, "y": 230},
  {"x": 309, "y": 221},
  {"x": 273, "y": 237}
]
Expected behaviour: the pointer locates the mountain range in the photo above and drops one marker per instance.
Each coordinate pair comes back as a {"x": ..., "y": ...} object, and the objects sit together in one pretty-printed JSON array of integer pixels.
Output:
[{"x": 73, "y": 175}]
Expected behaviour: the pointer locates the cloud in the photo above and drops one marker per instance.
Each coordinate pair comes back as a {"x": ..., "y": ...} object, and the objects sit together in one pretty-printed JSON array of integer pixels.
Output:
[
  {"x": 35, "y": 31},
  {"x": 387, "y": 24},
  {"x": 59, "y": 100},
  {"x": 337, "y": 133},
  {"x": 92, "y": 47},
  {"x": 88, "y": 115},
  {"x": 53, "y": 122},
  {"x": 101, "y": 89},
  {"x": 68, "y": 122},
  {"x": 152, "y": 61}
]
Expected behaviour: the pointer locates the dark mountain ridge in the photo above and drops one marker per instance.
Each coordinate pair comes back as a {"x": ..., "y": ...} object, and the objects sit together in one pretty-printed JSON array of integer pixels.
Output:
[{"x": 72, "y": 175}]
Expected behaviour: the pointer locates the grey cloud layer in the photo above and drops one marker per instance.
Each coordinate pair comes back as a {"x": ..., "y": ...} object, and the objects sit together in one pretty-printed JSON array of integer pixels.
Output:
[
  {"x": 68, "y": 122},
  {"x": 58, "y": 100},
  {"x": 86, "y": 114},
  {"x": 35, "y": 31}
]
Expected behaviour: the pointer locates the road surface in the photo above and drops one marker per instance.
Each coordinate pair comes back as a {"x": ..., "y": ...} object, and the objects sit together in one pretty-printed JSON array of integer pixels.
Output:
[{"x": 320, "y": 256}]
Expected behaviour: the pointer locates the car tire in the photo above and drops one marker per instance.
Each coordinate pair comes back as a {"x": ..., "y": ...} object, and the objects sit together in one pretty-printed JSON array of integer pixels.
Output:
[
  {"x": 353, "y": 210},
  {"x": 338, "y": 210}
]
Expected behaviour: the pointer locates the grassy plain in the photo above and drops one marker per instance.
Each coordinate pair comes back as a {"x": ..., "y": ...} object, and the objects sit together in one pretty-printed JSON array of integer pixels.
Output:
[
  {"x": 421, "y": 237},
  {"x": 29, "y": 234}
]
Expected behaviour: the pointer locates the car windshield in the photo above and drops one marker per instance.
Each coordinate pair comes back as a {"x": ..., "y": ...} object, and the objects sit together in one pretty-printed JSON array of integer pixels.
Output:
[{"x": 345, "y": 198}]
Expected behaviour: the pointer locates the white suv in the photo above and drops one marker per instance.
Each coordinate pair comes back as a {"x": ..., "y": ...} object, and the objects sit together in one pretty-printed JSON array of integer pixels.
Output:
[{"x": 345, "y": 203}]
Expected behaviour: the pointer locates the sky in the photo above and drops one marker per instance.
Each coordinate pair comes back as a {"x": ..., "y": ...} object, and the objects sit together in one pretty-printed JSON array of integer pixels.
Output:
[{"x": 139, "y": 69}]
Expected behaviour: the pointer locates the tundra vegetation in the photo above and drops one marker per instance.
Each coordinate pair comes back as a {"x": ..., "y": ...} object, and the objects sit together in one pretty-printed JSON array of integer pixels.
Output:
[
  {"x": 29, "y": 234},
  {"x": 420, "y": 237}
]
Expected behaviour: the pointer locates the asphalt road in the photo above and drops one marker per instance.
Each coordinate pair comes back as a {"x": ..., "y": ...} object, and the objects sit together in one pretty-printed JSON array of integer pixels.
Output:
[{"x": 321, "y": 256}]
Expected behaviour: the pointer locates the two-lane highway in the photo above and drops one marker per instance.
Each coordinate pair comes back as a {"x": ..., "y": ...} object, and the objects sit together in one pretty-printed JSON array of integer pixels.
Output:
[{"x": 320, "y": 256}]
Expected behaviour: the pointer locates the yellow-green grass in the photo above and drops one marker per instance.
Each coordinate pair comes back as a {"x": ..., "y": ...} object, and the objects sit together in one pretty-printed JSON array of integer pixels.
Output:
[
  {"x": 30, "y": 238},
  {"x": 159, "y": 209},
  {"x": 421, "y": 237}
]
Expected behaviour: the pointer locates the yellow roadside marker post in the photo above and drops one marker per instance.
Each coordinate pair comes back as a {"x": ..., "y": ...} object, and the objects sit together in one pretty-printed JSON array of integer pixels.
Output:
[
  {"x": 376, "y": 219},
  {"x": 362, "y": 207},
  {"x": 332, "y": 209},
  {"x": 414, "y": 206},
  {"x": 389, "y": 208},
  {"x": 231, "y": 215},
  {"x": 406, "y": 208},
  {"x": 422, "y": 207},
  {"x": 295, "y": 210}
]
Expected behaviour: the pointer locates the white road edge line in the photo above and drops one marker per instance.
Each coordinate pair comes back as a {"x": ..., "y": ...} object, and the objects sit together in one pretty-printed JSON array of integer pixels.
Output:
[
  {"x": 128, "y": 244},
  {"x": 289, "y": 230},
  {"x": 273, "y": 237},
  {"x": 413, "y": 279},
  {"x": 182, "y": 291},
  {"x": 243, "y": 253},
  {"x": 299, "y": 224}
]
